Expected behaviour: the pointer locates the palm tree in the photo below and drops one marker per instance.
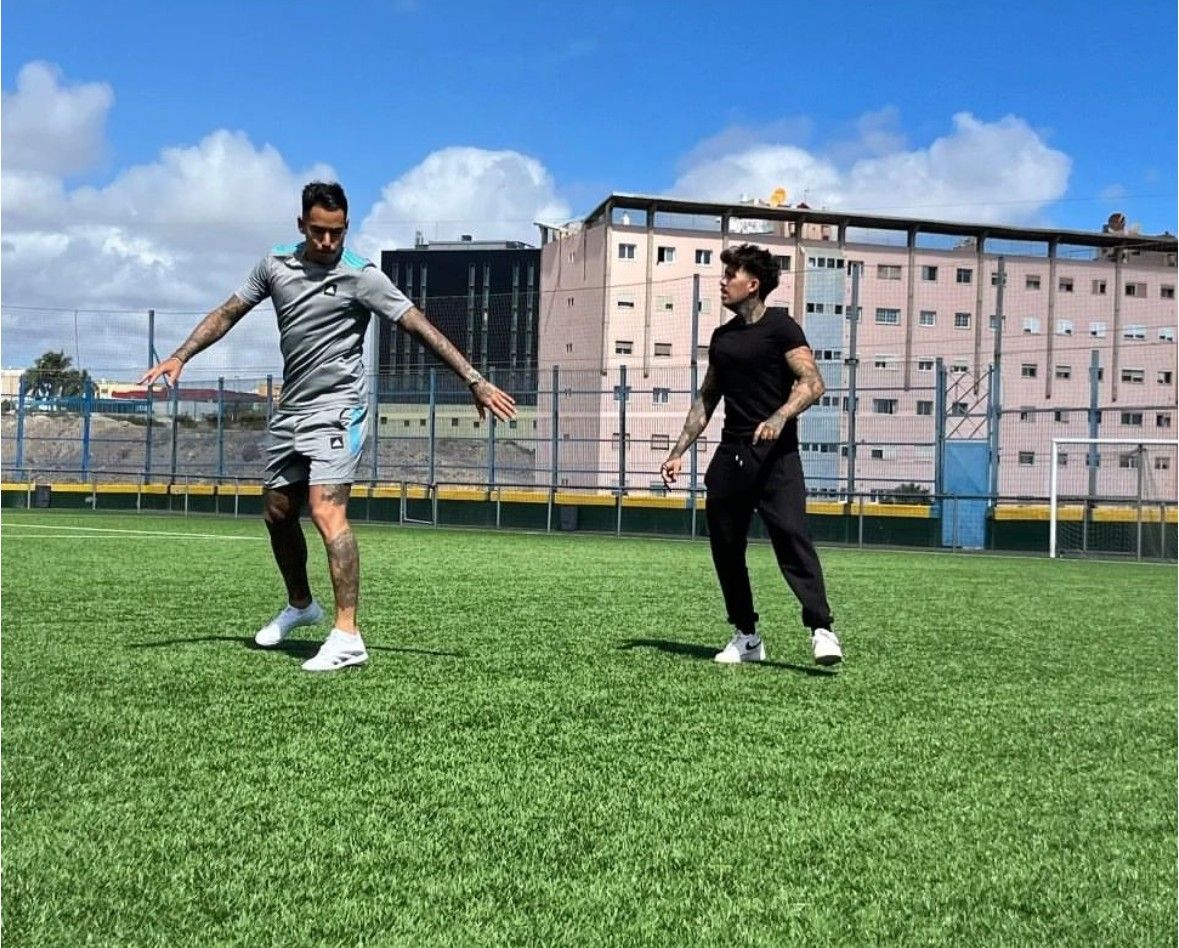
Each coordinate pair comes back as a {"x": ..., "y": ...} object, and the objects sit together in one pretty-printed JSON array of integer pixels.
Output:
[{"x": 52, "y": 375}]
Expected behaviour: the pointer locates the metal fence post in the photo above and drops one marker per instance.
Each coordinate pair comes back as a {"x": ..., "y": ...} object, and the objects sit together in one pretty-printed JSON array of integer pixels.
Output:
[
  {"x": 623, "y": 394},
  {"x": 491, "y": 436},
  {"x": 86, "y": 406},
  {"x": 939, "y": 431},
  {"x": 175, "y": 431},
  {"x": 853, "y": 366},
  {"x": 1093, "y": 457},
  {"x": 995, "y": 387},
  {"x": 432, "y": 428},
  {"x": 555, "y": 442},
  {"x": 694, "y": 460},
  {"x": 20, "y": 427},
  {"x": 151, "y": 350},
  {"x": 220, "y": 427}
]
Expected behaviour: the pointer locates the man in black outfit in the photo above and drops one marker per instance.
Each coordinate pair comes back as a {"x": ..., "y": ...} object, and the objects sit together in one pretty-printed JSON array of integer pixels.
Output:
[{"x": 760, "y": 363}]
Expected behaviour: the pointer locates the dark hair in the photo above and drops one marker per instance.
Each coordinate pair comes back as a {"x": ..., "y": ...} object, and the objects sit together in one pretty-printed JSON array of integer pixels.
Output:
[
  {"x": 326, "y": 194},
  {"x": 757, "y": 262}
]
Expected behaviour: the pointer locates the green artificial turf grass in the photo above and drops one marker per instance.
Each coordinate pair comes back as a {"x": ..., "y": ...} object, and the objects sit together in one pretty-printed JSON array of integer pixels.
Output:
[{"x": 542, "y": 752}]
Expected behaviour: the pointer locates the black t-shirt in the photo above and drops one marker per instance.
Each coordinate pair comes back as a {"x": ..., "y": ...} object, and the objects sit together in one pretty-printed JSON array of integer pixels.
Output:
[{"x": 749, "y": 365}]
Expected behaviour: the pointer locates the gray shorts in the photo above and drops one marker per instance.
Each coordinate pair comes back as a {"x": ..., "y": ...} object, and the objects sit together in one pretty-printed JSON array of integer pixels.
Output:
[{"x": 322, "y": 447}]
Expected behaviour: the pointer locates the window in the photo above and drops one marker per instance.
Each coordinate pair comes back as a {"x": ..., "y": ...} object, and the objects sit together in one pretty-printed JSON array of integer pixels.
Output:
[
  {"x": 888, "y": 362},
  {"x": 660, "y": 442},
  {"x": 783, "y": 262},
  {"x": 1133, "y": 376},
  {"x": 1064, "y": 327},
  {"x": 1027, "y": 458},
  {"x": 1064, "y": 372},
  {"x": 621, "y": 393},
  {"x": 702, "y": 353},
  {"x": 1027, "y": 413},
  {"x": 962, "y": 320},
  {"x": 878, "y": 454},
  {"x": 705, "y": 305},
  {"x": 1062, "y": 460},
  {"x": 703, "y": 257},
  {"x": 924, "y": 407},
  {"x": 1133, "y": 331},
  {"x": 888, "y": 317},
  {"x": 884, "y": 406},
  {"x": 1128, "y": 459},
  {"x": 1065, "y": 285},
  {"x": 928, "y": 317},
  {"x": 1162, "y": 464},
  {"x": 960, "y": 409},
  {"x": 623, "y": 347},
  {"x": 1060, "y": 416},
  {"x": 1027, "y": 370},
  {"x": 663, "y": 350},
  {"x": 1162, "y": 419},
  {"x": 454, "y": 422},
  {"x": 888, "y": 271},
  {"x": 995, "y": 278},
  {"x": 929, "y": 274},
  {"x": 1097, "y": 330},
  {"x": 1098, "y": 288},
  {"x": 1167, "y": 292},
  {"x": 822, "y": 263},
  {"x": 665, "y": 255},
  {"x": 625, "y": 302},
  {"x": 626, "y": 251},
  {"x": 614, "y": 441},
  {"x": 665, "y": 304},
  {"x": 1031, "y": 282},
  {"x": 992, "y": 322},
  {"x": 1031, "y": 326},
  {"x": 660, "y": 396},
  {"x": 814, "y": 307},
  {"x": 1136, "y": 289},
  {"x": 570, "y": 300},
  {"x": 925, "y": 365},
  {"x": 1164, "y": 377},
  {"x": 964, "y": 275},
  {"x": 959, "y": 367},
  {"x": 1167, "y": 333}
]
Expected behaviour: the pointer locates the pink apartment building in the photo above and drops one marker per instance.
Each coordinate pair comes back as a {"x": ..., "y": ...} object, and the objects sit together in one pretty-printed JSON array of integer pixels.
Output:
[{"x": 618, "y": 290}]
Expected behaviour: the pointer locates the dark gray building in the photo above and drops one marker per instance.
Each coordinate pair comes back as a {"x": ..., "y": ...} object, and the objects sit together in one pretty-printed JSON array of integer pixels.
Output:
[{"x": 484, "y": 295}]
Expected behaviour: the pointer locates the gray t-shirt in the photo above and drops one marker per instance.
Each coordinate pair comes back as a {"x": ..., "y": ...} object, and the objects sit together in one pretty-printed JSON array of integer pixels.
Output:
[{"x": 323, "y": 314}]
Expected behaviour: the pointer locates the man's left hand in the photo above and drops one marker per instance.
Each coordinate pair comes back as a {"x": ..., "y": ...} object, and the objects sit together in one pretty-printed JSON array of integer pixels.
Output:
[
  {"x": 769, "y": 429},
  {"x": 486, "y": 396}
]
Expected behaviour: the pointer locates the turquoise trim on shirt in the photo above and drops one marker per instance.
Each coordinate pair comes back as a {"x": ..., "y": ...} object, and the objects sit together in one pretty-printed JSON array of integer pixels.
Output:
[
  {"x": 356, "y": 429},
  {"x": 286, "y": 250},
  {"x": 354, "y": 260}
]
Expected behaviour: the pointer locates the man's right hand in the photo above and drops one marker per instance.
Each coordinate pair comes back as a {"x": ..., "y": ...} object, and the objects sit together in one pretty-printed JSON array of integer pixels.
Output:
[
  {"x": 669, "y": 470},
  {"x": 169, "y": 369}
]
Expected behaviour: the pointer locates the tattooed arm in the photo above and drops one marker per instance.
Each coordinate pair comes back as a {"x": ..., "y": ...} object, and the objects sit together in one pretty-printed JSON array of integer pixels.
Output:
[
  {"x": 207, "y": 332},
  {"x": 697, "y": 420},
  {"x": 808, "y": 388},
  {"x": 486, "y": 395}
]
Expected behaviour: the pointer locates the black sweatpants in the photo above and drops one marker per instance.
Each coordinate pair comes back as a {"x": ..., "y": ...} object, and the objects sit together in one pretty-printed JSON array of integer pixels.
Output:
[{"x": 744, "y": 477}]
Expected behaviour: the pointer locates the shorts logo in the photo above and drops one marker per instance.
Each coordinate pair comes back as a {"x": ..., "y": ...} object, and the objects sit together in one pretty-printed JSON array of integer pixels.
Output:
[
  {"x": 337, "y": 441},
  {"x": 329, "y": 290}
]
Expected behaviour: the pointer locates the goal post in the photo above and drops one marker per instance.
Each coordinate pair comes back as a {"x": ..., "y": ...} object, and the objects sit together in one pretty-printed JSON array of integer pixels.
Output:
[{"x": 1113, "y": 497}]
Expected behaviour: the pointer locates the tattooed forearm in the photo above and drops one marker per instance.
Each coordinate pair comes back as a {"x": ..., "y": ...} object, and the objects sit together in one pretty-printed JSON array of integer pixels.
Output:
[
  {"x": 212, "y": 328},
  {"x": 698, "y": 415},
  {"x": 344, "y": 564},
  {"x": 416, "y": 323},
  {"x": 808, "y": 388}
]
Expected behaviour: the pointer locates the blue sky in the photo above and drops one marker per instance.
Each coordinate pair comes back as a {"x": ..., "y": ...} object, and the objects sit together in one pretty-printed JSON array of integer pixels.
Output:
[{"x": 460, "y": 116}]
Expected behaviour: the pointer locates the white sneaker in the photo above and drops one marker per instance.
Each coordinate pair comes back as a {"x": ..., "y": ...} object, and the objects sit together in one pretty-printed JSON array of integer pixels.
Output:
[
  {"x": 742, "y": 648},
  {"x": 826, "y": 647},
  {"x": 290, "y": 618},
  {"x": 339, "y": 650}
]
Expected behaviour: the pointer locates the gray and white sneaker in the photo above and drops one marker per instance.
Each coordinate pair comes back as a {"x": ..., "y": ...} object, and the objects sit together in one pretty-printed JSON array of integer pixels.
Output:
[
  {"x": 290, "y": 618},
  {"x": 339, "y": 650},
  {"x": 825, "y": 645},
  {"x": 742, "y": 648}
]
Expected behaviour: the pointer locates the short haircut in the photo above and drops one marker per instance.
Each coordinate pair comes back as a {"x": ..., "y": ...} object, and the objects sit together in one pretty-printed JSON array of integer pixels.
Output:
[
  {"x": 757, "y": 262},
  {"x": 326, "y": 194}
]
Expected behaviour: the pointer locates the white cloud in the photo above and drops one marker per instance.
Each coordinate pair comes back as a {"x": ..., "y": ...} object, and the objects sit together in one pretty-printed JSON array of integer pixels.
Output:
[
  {"x": 52, "y": 129},
  {"x": 491, "y": 195},
  {"x": 989, "y": 172}
]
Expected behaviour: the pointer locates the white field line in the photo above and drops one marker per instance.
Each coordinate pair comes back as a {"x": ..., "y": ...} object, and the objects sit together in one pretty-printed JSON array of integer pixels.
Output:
[{"x": 95, "y": 533}]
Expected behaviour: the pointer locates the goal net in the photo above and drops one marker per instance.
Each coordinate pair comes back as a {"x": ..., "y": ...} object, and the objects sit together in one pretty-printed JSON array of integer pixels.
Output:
[{"x": 1114, "y": 497}]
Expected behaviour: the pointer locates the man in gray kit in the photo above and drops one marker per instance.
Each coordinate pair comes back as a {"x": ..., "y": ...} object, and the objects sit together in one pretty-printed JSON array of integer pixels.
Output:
[{"x": 323, "y": 296}]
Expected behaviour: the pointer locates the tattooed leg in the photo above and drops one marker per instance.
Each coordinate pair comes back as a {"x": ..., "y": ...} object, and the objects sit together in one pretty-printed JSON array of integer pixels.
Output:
[
  {"x": 329, "y": 510},
  {"x": 287, "y": 541}
]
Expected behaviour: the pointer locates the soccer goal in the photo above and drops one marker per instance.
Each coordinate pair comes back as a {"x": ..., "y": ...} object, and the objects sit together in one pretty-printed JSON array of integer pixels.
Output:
[{"x": 1114, "y": 497}]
